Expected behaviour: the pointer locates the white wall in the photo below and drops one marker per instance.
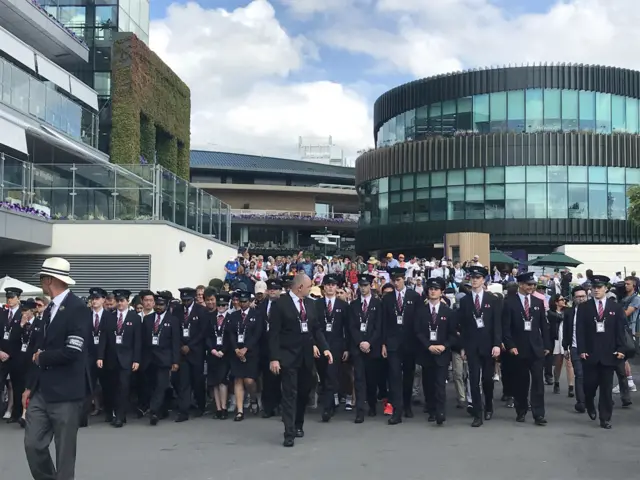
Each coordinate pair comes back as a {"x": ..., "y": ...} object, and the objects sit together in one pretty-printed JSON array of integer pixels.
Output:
[
  {"x": 604, "y": 259},
  {"x": 170, "y": 269}
]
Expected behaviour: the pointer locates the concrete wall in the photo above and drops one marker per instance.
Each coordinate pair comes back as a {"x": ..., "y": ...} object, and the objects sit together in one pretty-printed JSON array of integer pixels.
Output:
[
  {"x": 261, "y": 200},
  {"x": 605, "y": 259},
  {"x": 170, "y": 269},
  {"x": 470, "y": 244}
]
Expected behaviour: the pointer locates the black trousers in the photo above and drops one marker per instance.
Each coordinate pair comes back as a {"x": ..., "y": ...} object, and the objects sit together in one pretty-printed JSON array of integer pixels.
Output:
[
  {"x": 18, "y": 369},
  {"x": 529, "y": 374},
  {"x": 382, "y": 377},
  {"x": 402, "y": 369},
  {"x": 548, "y": 367},
  {"x": 296, "y": 387},
  {"x": 596, "y": 377},
  {"x": 508, "y": 368},
  {"x": 98, "y": 378},
  {"x": 190, "y": 379},
  {"x": 434, "y": 381},
  {"x": 330, "y": 379},
  {"x": 481, "y": 370},
  {"x": 116, "y": 388},
  {"x": 365, "y": 379},
  {"x": 271, "y": 393},
  {"x": 156, "y": 382}
]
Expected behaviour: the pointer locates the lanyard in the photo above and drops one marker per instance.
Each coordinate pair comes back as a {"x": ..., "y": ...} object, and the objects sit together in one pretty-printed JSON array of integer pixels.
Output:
[
  {"x": 219, "y": 329},
  {"x": 243, "y": 323}
]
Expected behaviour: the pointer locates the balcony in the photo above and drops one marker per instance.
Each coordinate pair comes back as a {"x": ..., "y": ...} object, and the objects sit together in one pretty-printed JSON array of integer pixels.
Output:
[
  {"x": 293, "y": 218},
  {"x": 100, "y": 193},
  {"x": 30, "y": 22}
]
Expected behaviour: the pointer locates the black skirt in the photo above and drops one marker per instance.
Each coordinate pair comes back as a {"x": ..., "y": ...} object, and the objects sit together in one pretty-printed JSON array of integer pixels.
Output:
[
  {"x": 218, "y": 370},
  {"x": 248, "y": 369}
]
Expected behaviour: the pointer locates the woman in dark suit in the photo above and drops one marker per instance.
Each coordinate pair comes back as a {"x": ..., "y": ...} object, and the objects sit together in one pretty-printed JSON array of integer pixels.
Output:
[
  {"x": 218, "y": 353},
  {"x": 555, "y": 316}
]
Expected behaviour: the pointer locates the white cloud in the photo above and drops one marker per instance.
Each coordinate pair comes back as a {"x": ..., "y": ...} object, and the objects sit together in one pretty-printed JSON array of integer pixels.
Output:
[
  {"x": 239, "y": 66},
  {"x": 308, "y": 7}
]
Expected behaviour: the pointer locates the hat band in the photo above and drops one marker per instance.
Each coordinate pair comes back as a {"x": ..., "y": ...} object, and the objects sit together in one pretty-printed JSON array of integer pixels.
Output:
[{"x": 54, "y": 271}]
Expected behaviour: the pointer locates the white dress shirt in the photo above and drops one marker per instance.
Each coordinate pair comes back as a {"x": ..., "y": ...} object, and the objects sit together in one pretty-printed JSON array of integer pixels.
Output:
[
  {"x": 296, "y": 300},
  {"x": 479, "y": 295},
  {"x": 57, "y": 301},
  {"x": 522, "y": 297}
]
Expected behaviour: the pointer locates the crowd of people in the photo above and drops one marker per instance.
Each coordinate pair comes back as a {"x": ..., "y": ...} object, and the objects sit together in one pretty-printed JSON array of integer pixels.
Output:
[{"x": 281, "y": 339}]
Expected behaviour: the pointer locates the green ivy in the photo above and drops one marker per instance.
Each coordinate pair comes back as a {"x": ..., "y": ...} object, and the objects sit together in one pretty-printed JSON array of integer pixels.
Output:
[{"x": 151, "y": 108}]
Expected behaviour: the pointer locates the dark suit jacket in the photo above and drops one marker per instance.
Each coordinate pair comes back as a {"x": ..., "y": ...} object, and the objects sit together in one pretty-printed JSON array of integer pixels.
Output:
[
  {"x": 287, "y": 343},
  {"x": 339, "y": 324},
  {"x": 252, "y": 327},
  {"x": 529, "y": 344},
  {"x": 63, "y": 375},
  {"x": 197, "y": 325},
  {"x": 121, "y": 356},
  {"x": 567, "y": 328},
  {"x": 373, "y": 321},
  {"x": 10, "y": 346},
  {"x": 600, "y": 347},
  {"x": 400, "y": 337},
  {"x": 447, "y": 333},
  {"x": 261, "y": 312},
  {"x": 92, "y": 348},
  {"x": 211, "y": 341},
  {"x": 167, "y": 353},
  {"x": 480, "y": 341}
]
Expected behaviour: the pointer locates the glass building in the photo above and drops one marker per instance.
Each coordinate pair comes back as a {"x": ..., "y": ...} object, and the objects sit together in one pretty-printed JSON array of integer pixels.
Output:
[{"x": 537, "y": 156}]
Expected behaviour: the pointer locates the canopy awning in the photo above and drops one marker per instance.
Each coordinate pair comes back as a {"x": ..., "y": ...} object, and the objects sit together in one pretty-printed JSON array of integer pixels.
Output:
[{"x": 13, "y": 136}]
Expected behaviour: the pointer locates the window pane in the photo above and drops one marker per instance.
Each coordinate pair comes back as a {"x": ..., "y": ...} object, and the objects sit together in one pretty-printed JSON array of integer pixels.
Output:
[
  {"x": 597, "y": 174},
  {"x": 435, "y": 118},
  {"x": 455, "y": 203},
  {"x": 578, "y": 174},
  {"x": 392, "y": 131},
  {"x": 422, "y": 180},
  {"x": 407, "y": 181},
  {"x": 438, "y": 179},
  {"x": 597, "y": 201},
  {"x": 407, "y": 196},
  {"x": 438, "y": 205},
  {"x": 534, "y": 110},
  {"x": 475, "y": 176},
  {"x": 536, "y": 174},
  {"x": 474, "y": 202},
  {"x": 395, "y": 198},
  {"x": 422, "y": 194},
  {"x": 515, "y": 201},
  {"x": 557, "y": 174},
  {"x": 616, "y": 202},
  {"x": 400, "y": 128},
  {"x": 618, "y": 114},
  {"x": 455, "y": 177},
  {"x": 514, "y": 174},
  {"x": 536, "y": 200},
  {"x": 515, "y": 113},
  {"x": 633, "y": 176},
  {"x": 383, "y": 207},
  {"x": 632, "y": 115},
  {"x": 394, "y": 184},
  {"x": 422, "y": 122},
  {"x": 557, "y": 200},
  {"x": 587, "y": 110},
  {"x": 569, "y": 110},
  {"x": 422, "y": 205},
  {"x": 465, "y": 117},
  {"x": 383, "y": 185},
  {"x": 410, "y": 125},
  {"x": 615, "y": 175},
  {"x": 603, "y": 112},
  {"x": 494, "y": 175},
  {"x": 448, "y": 117},
  {"x": 552, "y": 110},
  {"x": 578, "y": 200},
  {"x": 481, "y": 113},
  {"x": 498, "y": 109},
  {"x": 494, "y": 201}
]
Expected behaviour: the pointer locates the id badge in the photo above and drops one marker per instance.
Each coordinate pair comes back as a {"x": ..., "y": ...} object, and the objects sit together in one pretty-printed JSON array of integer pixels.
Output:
[
  {"x": 599, "y": 327},
  {"x": 96, "y": 340},
  {"x": 527, "y": 326},
  {"x": 241, "y": 338},
  {"x": 399, "y": 319},
  {"x": 6, "y": 335},
  {"x": 185, "y": 332},
  {"x": 304, "y": 328},
  {"x": 118, "y": 339},
  {"x": 329, "y": 327},
  {"x": 363, "y": 327},
  {"x": 219, "y": 341},
  {"x": 479, "y": 322},
  {"x": 267, "y": 327},
  {"x": 155, "y": 340},
  {"x": 433, "y": 335},
  {"x": 23, "y": 348}
]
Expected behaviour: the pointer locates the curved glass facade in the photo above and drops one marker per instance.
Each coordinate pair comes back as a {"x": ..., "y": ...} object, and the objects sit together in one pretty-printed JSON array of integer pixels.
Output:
[
  {"x": 531, "y": 192},
  {"x": 531, "y": 110}
]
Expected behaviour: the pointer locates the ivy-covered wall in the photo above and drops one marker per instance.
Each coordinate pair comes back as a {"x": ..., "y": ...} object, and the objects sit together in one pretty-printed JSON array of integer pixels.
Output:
[{"x": 151, "y": 108}]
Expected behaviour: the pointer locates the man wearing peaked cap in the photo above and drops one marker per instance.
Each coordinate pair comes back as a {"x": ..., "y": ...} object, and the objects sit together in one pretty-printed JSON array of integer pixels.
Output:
[
  {"x": 10, "y": 345},
  {"x": 187, "y": 294},
  {"x": 436, "y": 282},
  {"x": 365, "y": 279},
  {"x": 25, "y": 333},
  {"x": 271, "y": 385},
  {"x": 397, "y": 272},
  {"x": 97, "y": 292},
  {"x": 526, "y": 278},
  {"x": 274, "y": 284},
  {"x": 330, "y": 279},
  {"x": 12, "y": 292}
]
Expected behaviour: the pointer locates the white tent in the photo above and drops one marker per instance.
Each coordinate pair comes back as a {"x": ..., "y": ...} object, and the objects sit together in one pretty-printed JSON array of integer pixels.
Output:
[{"x": 27, "y": 289}]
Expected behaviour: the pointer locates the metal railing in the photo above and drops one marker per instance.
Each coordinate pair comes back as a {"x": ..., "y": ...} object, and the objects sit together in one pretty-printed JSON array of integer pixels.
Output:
[
  {"x": 299, "y": 215},
  {"x": 335, "y": 187},
  {"x": 111, "y": 192}
]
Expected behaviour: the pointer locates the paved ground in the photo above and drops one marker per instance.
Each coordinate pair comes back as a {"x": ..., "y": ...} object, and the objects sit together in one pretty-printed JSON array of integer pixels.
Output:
[{"x": 571, "y": 447}]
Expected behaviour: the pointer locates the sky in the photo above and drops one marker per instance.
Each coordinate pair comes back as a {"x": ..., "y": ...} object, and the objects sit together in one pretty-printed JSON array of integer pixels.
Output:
[{"x": 264, "y": 72}]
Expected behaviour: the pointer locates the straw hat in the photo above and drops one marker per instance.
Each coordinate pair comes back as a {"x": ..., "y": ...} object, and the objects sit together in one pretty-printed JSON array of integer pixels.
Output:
[{"x": 59, "y": 268}]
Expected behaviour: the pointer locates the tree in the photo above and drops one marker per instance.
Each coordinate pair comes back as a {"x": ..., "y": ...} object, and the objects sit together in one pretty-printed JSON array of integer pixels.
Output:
[{"x": 633, "y": 212}]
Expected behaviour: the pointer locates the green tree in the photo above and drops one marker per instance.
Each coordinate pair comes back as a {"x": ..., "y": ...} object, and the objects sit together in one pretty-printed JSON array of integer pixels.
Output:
[{"x": 633, "y": 212}]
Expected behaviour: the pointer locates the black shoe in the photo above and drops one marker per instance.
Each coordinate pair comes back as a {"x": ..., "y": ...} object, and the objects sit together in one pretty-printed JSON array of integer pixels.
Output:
[
  {"x": 626, "y": 403},
  {"x": 299, "y": 432},
  {"x": 372, "y": 411},
  {"x": 571, "y": 393},
  {"x": 395, "y": 419},
  {"x": 109, "y": 418},
  {"x": 556, "y": 388},
  {"x": 408, "y": 413},
  {"x": 12, "y": 420},
  {"x": 504, "y": 398},
  {"x": 117, "y": 424},
  {"x": 198, "y": 413},
  {"x": 510, "y": 403},
  {"x": 604, "y": 424},
  {"x": 520, "y": 418},
  {"x": 288, "y": 442},
  {"x": 488, "y": 415},
  {"x": 477, "y": 422},
  {"x": 592, "y": 413},
  {"x": 326, "y": 416},
  {"x": 359, "y": 417},
  {"x": 470, "y": 410},
  {"x": 440, "y": 419},
  {"x": 548, "y": 380},
  {"x": 84, "y": 422},
  {"x": 182, "y": 417},
  {"x": 431, "y": 418},
  {"x": 153, "y": 420},
  {"x": 540, "y": 421},
  {"x": 225, "y": 414},
  {"x": 580, "y": 408},
  {"x": 217, "y": 415}
]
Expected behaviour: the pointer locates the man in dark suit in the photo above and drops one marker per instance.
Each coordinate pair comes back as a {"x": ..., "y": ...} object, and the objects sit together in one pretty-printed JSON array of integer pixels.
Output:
[
  {"x": 480, "y": 324},
  {"x": 271, "y": 392},
  {"x": 118, "y": 356},
  {"x": 10, "y": 330},
  {"x": 365, "y": 339},
  {"x": 526, "y": 337},
  {"x": 190, "y": 376},
  {"x": 295, "y": 338},
  {"x": 58, "y": 390},
  {"x": 399, "y": 343},
  {"x": 600, "y": 339},
  {"x": 570, "y": 346}
]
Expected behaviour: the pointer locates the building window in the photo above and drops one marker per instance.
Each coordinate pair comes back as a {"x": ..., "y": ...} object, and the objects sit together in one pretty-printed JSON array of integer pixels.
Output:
[
  {"x": 494, "y": 201},
  {"x": 556, "y": 174},
  {"x": 474, "y": 176},
  {"x": 631, "y": 115},
  {"x": 481, "y": 113},
  {"x": 455, "y": 203},
  {"x": 570, "y": 110},
  {"x": 102, "y": 83},
  {"x": 587, "y": 106},
  {"x": 578, "y": 200},
  {"x": 498, "y": 112},
  {"x": 536, "y": 200},
  {"x": 598, "y": 201},
  {"x": 455, "y": 177},
  {"x": 618, "y": 114},
  {"x": 515, "y": 111},
  {"x": 449, "y": 117},
  {"x": 438, "y": 204},
  {"x": 557, "y": 200},
  {"x": 494, "y": 175},
  {"x": 514, "y": 174},
  {"x": 474, "y": 206},
  {"x": 616, "y": 203},
  {"x": 515, "y": 201},
  {"x": 552, "y": 110},
  {"x": 465, "y": 115},
  {"x": 534, "y": 111}
]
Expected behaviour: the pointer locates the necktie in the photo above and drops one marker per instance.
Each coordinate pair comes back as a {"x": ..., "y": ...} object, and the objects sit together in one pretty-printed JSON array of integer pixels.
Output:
[
  {"x": 600, "y": 310},
  {"x": 156, "y": 325},
  {"x": 329, "y": 307},
  {"x": 434, "y": 315},
  {"x": 477, "y": 303},
  {"x": 96, "y": 323},
  {"x": 120, "y": 322},
  {"x": 47, "y": 318},
  {"x": 526, "y": 306},
  {"x": 364, "y": 306},
  {"x": 186, "y": 316},
  {"x": 400, "y": 303},
  {"x": 220, "y": 319},
  {"x": 303, "y": 314},
  {"x": 244, "y": 316},
  {"x": 10, "y": 316}
]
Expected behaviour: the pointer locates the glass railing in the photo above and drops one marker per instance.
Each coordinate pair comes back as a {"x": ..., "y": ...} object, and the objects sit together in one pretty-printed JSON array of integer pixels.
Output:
[
  {"x": 106, "y": 192},
  {"x": 296, "y": 215},
  {"x": 38, "y": 99}
]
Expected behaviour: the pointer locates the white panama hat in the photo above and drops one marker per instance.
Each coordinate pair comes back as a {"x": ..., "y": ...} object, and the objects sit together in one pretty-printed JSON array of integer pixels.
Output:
[{"x": 59, "y": 268}]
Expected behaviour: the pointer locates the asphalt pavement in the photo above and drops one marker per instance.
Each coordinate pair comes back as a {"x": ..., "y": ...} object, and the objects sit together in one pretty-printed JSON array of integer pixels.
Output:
[{"x": 570, "y": 447}]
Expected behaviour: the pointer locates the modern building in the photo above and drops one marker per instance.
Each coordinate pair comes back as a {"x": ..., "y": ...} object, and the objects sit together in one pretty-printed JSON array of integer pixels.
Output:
[
  {"x": 536, "y": 156},
  {"x": 277, "y": 204}
]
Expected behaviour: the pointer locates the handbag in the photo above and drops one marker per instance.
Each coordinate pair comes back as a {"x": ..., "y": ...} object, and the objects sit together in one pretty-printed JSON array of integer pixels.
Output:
[{"x": 630, "y": 348}]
